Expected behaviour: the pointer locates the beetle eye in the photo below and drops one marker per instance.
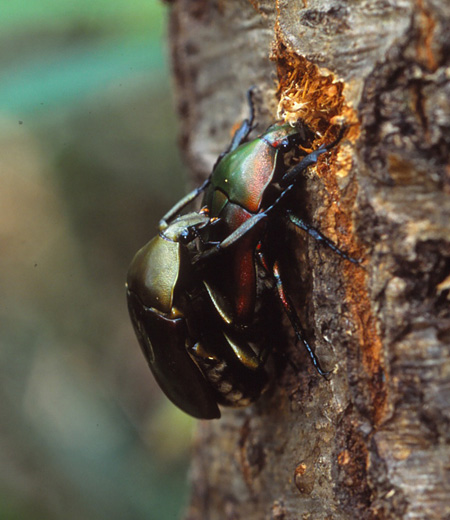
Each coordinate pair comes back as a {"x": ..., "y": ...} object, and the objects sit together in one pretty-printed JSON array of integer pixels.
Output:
[
  {"x": 286, "y": 144},
  {"x": 185, "y": 235}
]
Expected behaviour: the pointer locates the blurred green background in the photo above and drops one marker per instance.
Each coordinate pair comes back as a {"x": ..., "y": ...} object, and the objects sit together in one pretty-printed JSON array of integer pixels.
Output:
[{"x": 88, "y": 163}]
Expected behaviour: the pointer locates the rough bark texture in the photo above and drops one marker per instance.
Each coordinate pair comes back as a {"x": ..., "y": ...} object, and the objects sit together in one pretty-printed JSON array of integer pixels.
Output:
[{"x": 373, "y": 441}]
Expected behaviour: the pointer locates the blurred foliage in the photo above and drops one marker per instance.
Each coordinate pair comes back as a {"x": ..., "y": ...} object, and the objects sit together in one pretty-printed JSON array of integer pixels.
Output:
[{"x": 88, "y": 164}]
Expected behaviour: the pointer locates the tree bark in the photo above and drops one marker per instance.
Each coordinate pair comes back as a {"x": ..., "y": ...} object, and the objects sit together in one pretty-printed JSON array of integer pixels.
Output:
[{"x": 372, "y": 441}]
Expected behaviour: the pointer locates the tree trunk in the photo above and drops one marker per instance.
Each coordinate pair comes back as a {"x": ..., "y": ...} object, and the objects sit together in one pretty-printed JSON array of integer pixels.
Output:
[{"x": 372, "y": 441}]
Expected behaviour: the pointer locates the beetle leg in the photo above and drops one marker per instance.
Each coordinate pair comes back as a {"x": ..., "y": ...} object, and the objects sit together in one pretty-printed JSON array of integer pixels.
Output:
[
  {"x": 245, "y": 354},
  {"x": 289, "y": 309},
  {"x": 244, "y": 129},
  {"x": 287, "y": 182},
  {"x": 242, "y": 132},
  {"x": 181, "y": 204},
  {"x": 319, "y": 237},
  {"x": 291, "y": 175},
  {"x": 294, "y": 319},
  {"x": 231, "y": 239},
  {"x": 239, "y": 137}
]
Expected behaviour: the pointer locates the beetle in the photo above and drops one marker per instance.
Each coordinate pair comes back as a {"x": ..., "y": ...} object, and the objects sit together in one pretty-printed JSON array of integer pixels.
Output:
[
  {"x": 195, "y": 291},
  {"x": 195, "y": 362}
]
